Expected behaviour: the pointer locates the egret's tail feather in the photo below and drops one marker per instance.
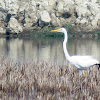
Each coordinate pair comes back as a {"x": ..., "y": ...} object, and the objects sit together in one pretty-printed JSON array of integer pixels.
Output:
[{"x": 98, "y": 66}]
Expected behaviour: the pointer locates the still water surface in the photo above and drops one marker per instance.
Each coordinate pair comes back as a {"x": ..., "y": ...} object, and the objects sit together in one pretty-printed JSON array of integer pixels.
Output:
[{"x": 47, "y": 49}]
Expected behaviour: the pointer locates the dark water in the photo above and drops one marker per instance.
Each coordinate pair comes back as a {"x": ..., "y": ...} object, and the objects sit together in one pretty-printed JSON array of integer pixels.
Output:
[{"x": 47, "y": 49}]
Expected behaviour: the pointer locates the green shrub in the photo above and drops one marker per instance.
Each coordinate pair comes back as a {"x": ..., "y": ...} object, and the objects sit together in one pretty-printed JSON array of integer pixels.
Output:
[{"x": 68, "y": 26}]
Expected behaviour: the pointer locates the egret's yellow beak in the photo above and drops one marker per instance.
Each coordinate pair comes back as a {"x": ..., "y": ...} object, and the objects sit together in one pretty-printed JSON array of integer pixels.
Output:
[{"x": 56, "y": 30}]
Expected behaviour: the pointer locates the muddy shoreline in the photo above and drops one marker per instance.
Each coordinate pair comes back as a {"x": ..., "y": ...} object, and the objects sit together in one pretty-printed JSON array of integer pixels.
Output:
[{"x": 45, "y": 32}]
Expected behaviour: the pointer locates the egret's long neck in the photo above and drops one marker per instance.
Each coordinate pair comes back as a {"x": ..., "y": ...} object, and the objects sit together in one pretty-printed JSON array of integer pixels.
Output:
[{"x": 64, "y": 46}]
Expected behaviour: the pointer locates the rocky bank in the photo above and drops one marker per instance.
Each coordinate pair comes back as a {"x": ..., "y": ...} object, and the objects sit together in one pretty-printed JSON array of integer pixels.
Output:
[{"x": 19, "y": 15}]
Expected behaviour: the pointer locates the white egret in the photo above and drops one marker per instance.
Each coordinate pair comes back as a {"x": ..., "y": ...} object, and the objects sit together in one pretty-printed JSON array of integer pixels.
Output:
[{"x": 81, "y": 62}]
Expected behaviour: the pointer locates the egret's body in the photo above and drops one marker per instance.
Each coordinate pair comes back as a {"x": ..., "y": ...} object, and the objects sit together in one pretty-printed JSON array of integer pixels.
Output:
[{"x": 81, "y": 62}]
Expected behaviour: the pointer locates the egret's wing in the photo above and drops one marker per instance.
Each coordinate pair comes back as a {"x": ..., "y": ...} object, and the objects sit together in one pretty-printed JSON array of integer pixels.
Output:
[{"x": 84, "y": 61}]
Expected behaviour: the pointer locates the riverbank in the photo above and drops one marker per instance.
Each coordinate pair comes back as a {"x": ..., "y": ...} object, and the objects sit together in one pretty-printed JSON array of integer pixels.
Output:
[
  {"x": 41, "y": 80},
  {"x": 16, "y": 16},
  {"x": 45, "y": 33}
]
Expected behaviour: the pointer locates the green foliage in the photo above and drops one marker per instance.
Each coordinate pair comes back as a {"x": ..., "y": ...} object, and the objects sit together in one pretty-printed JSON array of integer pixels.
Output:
[
  {"x": 68, "y": 26},
  {"x": 46, "y": 32},
  {"x": 98, "y": 2},
  {"x": 98, "y": 32},
  {"x": 48, "y": 29}
]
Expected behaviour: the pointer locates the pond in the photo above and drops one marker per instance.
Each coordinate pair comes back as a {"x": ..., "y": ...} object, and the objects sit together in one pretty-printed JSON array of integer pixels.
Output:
[{"x": 47, "y": 49}]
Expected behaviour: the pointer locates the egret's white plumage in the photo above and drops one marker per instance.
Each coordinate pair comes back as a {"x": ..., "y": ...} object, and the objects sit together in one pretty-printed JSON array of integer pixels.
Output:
[{"x": 81, "y": 62}]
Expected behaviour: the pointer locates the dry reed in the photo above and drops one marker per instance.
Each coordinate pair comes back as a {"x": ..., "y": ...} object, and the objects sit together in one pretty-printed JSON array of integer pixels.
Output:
[{"x": 43, "y": 81}]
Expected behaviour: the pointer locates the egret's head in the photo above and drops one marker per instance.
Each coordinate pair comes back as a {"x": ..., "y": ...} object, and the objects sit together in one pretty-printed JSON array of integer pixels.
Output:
[{"x": 59, "y": 30}]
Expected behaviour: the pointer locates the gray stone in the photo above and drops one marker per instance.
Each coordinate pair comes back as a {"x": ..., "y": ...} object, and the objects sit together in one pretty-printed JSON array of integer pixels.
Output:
[
  {"x": 3, "y": 16},
  {"x": 83, "y": 21},
  {"x": 44, "y": 18},
  {"x": 28, "y": 14},
  {"x": 2, "y": 30},
  {"x": 14, "y": 26},
  {"x": 2, "y": 4},
  {"x": 82, "y": 11},
  {"x": 94, "y": 23},
  {"x": 93, "y": 8},
  {"x": 60, "y": 6},
  {"x": 78, "y": 2},
  {"x": 13, "y": 9}
]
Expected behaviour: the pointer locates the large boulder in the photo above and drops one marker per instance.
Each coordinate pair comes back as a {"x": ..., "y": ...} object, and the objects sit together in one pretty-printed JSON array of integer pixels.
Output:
[
  {"x": 13, "y": 9},
  {"x": 93, "y": 8},
  {"x": 60, "y": 7},
  {"x": 78, "y": 2},
  {"x": 28, "y": 15},
  {"x": 47, "y": 5},
  {"x": 82, "y": 11},
  {"x": 2, "y": 30},
  {"x": 2, "y": 22},
  {"x": 65, "y": 6},
  {"x": 88, "y": 14},
  {"x": 2, "y": 4},
  {"x": 9, "y": 5},
  {"x": 44, "y": 18},
  {"x": 14, "y": 26}
]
